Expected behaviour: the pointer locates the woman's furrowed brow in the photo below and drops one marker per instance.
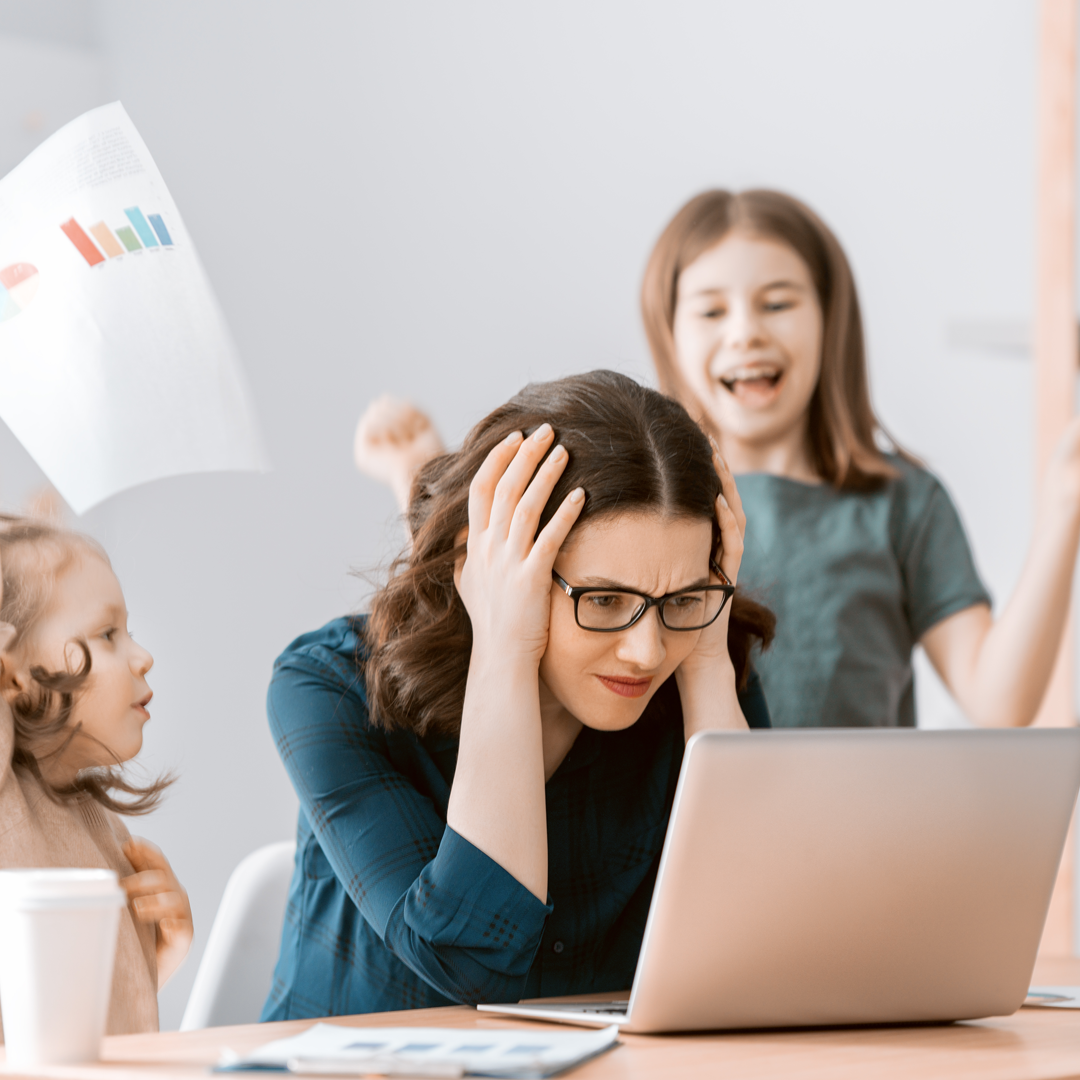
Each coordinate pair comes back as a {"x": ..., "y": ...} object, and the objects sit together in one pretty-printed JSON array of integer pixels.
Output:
[
  {"x": 620, "y": 586},
  {"x": 604, "y": 583}
]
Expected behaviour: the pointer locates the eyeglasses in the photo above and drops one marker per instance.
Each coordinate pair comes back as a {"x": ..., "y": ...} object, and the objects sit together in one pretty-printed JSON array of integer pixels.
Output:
[{"x": 609, "y": 610}]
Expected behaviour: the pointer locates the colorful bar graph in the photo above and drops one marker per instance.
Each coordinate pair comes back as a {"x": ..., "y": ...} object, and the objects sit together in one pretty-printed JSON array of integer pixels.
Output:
[
  {"x": 135, "y": 216},
  {"x": 145, "y": 230},
  {"x": 106, "y": 240},
  {"x": 128, "y": 238},
  {"x": 82, "y": 242},
  {"x": 159, "y": 228}
]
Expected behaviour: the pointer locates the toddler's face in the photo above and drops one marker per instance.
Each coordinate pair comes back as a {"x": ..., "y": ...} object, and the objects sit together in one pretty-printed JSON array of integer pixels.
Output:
[{"x": 88, "y": 604}]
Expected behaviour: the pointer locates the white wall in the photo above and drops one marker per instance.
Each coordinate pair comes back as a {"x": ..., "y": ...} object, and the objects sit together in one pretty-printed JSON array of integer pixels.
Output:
[{"x": 445, "y": 200}]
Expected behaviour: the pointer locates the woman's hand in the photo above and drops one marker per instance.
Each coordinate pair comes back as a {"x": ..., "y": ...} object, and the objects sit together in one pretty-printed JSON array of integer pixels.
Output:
[
  {"x": 706, "y": 678},
  {"x": 393, "y": 440},
  {"x": 497, "y": 801},
  {"x": 712, "y": 646},
  {"x": 158, "y": 897},
  {"x": 505, "y": 577}
]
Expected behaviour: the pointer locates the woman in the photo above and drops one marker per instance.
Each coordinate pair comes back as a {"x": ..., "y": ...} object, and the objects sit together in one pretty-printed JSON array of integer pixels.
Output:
[{"x": 486, "y": 763}]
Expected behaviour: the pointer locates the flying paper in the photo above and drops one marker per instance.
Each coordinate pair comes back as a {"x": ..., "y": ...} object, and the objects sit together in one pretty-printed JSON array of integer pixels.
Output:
[{"x": 116, "y": 366}]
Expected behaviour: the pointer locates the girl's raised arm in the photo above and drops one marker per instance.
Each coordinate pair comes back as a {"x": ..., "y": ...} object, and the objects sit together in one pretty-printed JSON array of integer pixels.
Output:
[{"x": 998, "y": 671}]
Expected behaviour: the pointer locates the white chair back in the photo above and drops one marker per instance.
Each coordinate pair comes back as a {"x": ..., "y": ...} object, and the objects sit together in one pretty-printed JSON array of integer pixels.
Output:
[{"x": 234, "y": 977}]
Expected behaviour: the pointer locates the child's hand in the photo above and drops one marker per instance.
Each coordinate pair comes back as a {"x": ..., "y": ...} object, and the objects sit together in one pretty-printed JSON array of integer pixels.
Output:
[
  {"x": 158, "y": 897},
  {"x": 393, "y": 440}
]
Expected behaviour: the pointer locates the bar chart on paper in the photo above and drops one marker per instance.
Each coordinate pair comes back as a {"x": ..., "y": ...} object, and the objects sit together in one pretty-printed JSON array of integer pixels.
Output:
[
  {"x": 18, "y": 284},
  {"x": 99, "y": 242}
]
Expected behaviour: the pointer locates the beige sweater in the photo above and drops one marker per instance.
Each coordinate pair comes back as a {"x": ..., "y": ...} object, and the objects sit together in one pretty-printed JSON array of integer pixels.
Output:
[{"x": 34, "y": 831}]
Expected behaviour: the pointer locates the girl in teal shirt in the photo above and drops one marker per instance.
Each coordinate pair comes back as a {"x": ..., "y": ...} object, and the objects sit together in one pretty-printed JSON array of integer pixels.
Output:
[{"x": 753, "y": 320}]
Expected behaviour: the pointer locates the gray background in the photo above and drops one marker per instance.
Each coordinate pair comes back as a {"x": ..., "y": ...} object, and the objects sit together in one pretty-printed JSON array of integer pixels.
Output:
[{"x": 447, "y": 200}]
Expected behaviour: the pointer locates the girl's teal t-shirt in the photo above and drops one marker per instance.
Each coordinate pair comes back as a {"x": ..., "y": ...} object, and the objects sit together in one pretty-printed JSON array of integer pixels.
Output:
[{"x": 855, "y": 580}]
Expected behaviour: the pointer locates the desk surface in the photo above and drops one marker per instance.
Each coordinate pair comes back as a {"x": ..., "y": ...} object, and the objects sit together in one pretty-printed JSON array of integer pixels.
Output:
[{"x": 1033, "y": 1044}]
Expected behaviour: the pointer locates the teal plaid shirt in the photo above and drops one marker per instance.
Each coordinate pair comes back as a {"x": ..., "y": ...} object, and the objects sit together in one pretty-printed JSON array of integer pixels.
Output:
[{"x": 389, "y": 908}]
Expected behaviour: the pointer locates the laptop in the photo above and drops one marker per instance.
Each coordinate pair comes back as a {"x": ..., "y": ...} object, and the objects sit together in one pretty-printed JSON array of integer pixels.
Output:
[{"x": 841, "y": 877}]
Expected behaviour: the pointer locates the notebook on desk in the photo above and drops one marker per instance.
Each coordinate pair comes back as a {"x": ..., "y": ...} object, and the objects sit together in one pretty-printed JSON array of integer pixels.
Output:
[{"x": 848, "y": 877}]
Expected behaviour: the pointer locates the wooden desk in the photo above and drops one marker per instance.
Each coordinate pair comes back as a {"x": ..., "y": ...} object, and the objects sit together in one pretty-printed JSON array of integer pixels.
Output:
[{"x": 1033, "y": 1044}]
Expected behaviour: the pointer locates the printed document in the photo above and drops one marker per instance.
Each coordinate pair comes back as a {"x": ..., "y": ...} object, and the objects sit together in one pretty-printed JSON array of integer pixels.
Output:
[
  {"x": 334, "y": 1050},
  {"x": 116, "y": 366},
  {"x": 1053, "y": 997}
]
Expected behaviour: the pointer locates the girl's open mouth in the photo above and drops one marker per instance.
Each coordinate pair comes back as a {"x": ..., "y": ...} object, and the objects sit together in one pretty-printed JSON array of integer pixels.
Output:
[{"x": 755, "y": 384}]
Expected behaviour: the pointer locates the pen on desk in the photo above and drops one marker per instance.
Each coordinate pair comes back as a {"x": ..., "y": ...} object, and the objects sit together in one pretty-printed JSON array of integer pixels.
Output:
[{"x": 373, "y": 1066}]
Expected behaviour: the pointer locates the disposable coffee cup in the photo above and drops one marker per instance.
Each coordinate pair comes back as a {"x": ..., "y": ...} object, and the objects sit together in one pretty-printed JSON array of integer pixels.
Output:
[{"x": 57, "y": 950}]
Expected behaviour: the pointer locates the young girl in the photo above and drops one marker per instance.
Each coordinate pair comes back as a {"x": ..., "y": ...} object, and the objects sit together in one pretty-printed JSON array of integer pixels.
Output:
[
  {"x": 752, "y": 316},
  {"x": 75, "y": 701},
  {"x": 753, "y": 320}
]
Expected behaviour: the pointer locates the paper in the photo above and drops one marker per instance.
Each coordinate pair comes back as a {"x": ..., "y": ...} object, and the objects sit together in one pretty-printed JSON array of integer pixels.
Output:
[
  {"x": 1054, "y": 997},
  {"x": 116, "y": 366},
  {"x": 407, "y": 1051}
]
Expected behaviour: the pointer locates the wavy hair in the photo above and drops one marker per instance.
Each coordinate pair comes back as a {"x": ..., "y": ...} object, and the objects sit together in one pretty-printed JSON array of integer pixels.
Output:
[
  {"x": 33, "y": 557},
  {"x": 842, "y": 423},
  {"x": 630, "y": 448}
]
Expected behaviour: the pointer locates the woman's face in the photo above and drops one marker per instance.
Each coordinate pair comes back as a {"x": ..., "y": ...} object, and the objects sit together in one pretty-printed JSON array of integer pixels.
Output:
[
  {"x": 606, "y": 680},
  {"x": 748, "y": 329}
]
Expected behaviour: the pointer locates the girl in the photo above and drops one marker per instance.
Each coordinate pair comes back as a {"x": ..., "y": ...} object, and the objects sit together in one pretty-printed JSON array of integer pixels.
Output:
[
  {"x": 753, "y": 321},
  {"x": 74, "y": 704},
  {"x": 486, "y": 763},
  {"x": 752, "y": 316}
]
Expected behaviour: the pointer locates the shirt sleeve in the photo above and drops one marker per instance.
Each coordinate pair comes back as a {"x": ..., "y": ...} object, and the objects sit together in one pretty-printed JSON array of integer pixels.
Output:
[
  {"x": 443, "y": 907},
  {"x": 938, "y": 568}
]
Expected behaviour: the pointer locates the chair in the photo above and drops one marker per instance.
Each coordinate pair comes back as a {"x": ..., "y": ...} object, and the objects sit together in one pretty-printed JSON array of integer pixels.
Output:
[{"x": 234, "y": 976}]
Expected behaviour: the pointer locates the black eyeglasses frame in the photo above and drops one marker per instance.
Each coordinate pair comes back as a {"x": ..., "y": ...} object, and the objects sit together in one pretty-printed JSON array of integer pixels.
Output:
[{"x": 575, "y": 592}]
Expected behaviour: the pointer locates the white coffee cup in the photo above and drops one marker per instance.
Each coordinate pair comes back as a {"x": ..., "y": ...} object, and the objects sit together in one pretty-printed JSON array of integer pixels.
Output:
[{"x": 57, "y": 950}]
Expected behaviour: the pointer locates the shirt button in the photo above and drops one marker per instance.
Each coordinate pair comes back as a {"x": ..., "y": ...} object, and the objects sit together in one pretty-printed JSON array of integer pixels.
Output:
[{"x": 558, "y": 947}]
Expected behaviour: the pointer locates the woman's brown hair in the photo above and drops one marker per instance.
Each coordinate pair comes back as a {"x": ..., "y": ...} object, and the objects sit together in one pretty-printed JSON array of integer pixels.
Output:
[
  {"x": 630, "y": 448},
  {"x": 34, "y": 555},
  {"x": 842, "y": 424}
]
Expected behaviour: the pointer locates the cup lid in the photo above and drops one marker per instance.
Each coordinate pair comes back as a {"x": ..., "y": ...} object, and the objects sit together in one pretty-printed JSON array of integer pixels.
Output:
[{"x": 36, "y": 884}]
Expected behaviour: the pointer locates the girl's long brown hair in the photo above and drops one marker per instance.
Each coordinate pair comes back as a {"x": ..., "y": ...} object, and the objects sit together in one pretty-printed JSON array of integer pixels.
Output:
[
  {"x": 33, "y": 557},
  {"x": 630, "y": 448},
  {"x": 842, "y": 424}
]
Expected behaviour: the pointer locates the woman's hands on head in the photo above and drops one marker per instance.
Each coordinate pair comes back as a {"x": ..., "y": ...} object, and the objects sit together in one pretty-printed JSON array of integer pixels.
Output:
[
  {"x": 157, "y": 896},
  {"x": 505, "y": 577}
]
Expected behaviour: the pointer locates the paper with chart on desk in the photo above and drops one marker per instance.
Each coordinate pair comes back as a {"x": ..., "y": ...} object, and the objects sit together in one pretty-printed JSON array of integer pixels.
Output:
[
  {"x": 1053, "y": 997},
  {"x": 512, "y": 1053},
  {"x": 116, "y": 365}
]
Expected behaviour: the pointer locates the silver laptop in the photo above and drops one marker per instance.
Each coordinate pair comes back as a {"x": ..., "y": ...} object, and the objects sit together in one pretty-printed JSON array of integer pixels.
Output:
[{"x": 848, "y": 877}]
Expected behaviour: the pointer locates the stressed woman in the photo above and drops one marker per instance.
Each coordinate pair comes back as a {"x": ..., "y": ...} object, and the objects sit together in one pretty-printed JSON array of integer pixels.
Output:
[{"x": 486, "y": 763}]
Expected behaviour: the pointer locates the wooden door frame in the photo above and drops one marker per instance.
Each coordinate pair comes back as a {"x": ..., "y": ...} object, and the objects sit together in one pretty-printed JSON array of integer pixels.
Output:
[{"x": 1057, "y": 349}]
